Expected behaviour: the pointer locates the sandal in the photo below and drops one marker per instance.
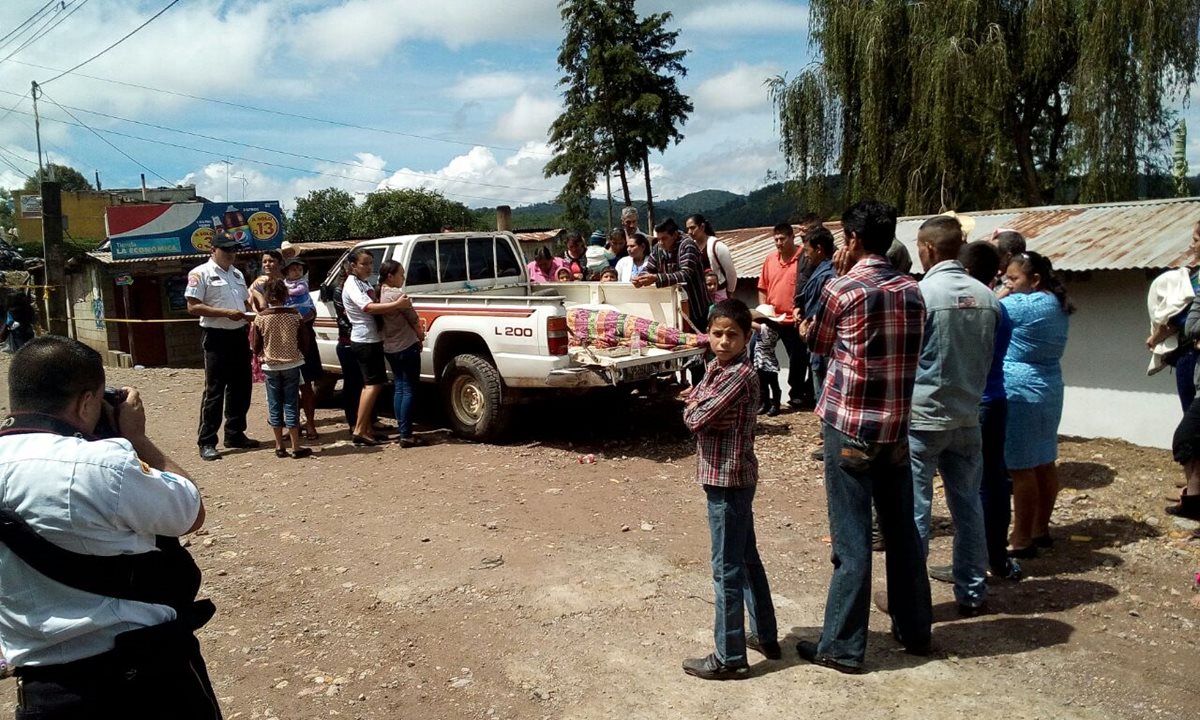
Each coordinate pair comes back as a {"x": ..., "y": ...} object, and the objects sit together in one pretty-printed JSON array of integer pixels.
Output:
[{"x": 281, "y": 453}]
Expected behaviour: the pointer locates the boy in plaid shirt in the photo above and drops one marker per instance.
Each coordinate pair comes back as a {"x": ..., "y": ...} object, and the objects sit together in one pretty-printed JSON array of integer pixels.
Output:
[{"x": 721, "y": 411}]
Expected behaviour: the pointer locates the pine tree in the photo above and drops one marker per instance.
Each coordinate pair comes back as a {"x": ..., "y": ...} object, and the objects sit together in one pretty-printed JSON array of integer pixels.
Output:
[{"x": 620, "y": 94}]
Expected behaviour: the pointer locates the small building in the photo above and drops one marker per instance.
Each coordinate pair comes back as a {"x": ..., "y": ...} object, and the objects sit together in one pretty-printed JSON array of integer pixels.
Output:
[
  {"x": 83, "y": 212},
  {"x": 134, "y": 311},
  {"x": 1108, "y": 254}
]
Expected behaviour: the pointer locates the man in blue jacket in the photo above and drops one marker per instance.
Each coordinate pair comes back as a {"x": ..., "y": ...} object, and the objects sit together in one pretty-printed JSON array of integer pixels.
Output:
[{"x": 944, "y": 434}]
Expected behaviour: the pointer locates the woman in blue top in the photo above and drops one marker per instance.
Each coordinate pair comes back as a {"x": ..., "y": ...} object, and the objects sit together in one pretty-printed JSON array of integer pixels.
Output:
[{"x": 1037, "y": 303}]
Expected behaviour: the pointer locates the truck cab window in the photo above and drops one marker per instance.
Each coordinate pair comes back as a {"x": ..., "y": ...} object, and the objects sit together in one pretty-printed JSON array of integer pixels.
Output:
[
  {"x": 452, "y": 260},
  {"x": 507, "y": 264},
  {"x": 422, "y": 266},
  {"x": 481, "y": 259}
]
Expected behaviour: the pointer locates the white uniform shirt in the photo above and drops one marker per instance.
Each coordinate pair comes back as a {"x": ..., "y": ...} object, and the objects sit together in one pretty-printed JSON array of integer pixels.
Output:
[
  {"x": 218, "y": 288},
  {"x": 94, "y": 498},
  {"x": 356, "y": 294}
]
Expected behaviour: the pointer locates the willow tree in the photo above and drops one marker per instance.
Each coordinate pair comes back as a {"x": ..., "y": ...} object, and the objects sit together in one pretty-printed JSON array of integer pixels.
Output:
[
  {"x": 620, "y": 95},
  {"x": 986, "y": 103}
]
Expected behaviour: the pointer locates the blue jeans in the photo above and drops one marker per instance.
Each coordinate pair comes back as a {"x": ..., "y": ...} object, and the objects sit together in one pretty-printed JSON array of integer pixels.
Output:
[
  {"x": 958, "y": 454},
  {"x": 283, "y": 397},
  {"x": 855, "y": 472},
  {"x": 996, "y": 491},
  {"x": 406, "y": 367},
  {"x": 739, "y": 579}
]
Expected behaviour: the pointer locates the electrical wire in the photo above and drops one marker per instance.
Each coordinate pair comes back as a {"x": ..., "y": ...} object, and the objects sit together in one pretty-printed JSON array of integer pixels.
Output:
[
  {"x": 26, "y": 21},
  {"x": 105, "y": 140},
  {"x": 74, "y": 8},
  {"x": 34, "y": 29},
  {"x": 283, "y": 113},
  {"x": 128, "y": 35},
  {"x": 253, "y": 161}
]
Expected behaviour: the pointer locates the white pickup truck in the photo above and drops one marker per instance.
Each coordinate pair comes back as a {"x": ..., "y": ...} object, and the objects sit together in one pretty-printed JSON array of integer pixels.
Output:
[{"x": 492, "y": 338}]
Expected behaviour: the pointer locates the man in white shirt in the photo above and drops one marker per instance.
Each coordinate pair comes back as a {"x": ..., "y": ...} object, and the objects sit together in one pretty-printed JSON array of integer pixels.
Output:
[
  {"x": 217, "y": 293},
  {"x": 94, "y": 644}
]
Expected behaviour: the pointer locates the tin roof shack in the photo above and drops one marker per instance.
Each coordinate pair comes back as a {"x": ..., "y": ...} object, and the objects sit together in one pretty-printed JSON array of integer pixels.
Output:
[
  {"x": 133, "y": 312},
  {"x": 1108, "y": 255}
]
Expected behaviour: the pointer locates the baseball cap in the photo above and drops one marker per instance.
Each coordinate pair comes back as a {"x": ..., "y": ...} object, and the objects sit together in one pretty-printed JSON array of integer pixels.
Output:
[{"x": 224, "y": 242}]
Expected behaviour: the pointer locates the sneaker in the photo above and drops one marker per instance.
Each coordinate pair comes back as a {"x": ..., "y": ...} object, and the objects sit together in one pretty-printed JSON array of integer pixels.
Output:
[
  {"x": 301, "y": 453},
  {"x": 767, "y": 648},
  {"x": 710, "y": 668},
  {"x": 808, "y": 651},
  {"x": 241, "y": 442},
  {"x": 209, "y": 452},
  {"x": 942, "y": 573}
]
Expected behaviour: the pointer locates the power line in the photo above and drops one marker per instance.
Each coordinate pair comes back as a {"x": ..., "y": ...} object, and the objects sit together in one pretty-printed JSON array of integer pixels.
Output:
[
  {"x": 128, "y": 35},
  {"x": 283, "y": 113},
  {"x": 50, "y": 29},
  {"x": 303, "y": 156},
  {"x": 44, "y": 20},
  {"x": 102, "y": 138},
  {"x": 265, "y": 163},
  {"x": 26, "y": 21}
]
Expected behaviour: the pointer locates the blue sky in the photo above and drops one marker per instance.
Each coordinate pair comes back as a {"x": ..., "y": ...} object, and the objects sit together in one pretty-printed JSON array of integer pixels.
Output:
[{"x": 476, "y": 81}]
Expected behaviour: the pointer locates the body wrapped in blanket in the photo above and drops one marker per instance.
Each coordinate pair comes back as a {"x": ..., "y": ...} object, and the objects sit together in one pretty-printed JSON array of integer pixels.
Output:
[{"x": 609, "y": 328}]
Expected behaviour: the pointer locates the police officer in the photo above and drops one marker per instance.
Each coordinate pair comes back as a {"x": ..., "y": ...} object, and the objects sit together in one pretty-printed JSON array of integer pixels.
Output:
[
  {"x": 217, "y": 293},
  {"x": 79, "y": 649}
]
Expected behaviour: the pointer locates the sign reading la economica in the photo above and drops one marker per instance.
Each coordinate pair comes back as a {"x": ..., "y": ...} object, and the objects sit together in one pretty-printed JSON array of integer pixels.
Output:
[{"x": 136, "y": 231}]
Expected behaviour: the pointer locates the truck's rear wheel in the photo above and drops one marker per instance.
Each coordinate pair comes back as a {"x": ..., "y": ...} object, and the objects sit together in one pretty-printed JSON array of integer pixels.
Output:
[{"x": 474, "y": 397}]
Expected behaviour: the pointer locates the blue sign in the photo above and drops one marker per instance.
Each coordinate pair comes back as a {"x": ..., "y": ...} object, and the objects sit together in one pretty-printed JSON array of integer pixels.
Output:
[{"x": 150, "y": 230}]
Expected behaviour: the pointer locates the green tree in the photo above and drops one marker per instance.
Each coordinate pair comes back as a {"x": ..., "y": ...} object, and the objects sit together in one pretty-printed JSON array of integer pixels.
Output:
[
  {"x": 401, "y": 212},
  {"x": 69, "y": 179},
  {"x": 620, "y": 94},
  {"x": 986, "y": 103},
  {"x": 321, "y": 215}
]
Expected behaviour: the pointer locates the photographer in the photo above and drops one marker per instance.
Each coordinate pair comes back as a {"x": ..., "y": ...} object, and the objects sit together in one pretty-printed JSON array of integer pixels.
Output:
[{"x": 97, "y": 597}]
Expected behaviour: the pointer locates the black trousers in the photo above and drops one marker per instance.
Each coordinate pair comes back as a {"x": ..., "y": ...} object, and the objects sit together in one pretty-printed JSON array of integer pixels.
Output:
[
  {"x": 227, "y": 384},
  {"x": 996, "y": 489},
  {"x": 352, "y": 383},
  {"x": 799, "y": 387},
  {"x": 162, "y": 680}
]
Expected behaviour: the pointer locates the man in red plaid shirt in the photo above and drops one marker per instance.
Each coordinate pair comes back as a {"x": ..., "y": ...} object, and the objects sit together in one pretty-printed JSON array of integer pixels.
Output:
[
  {"x": 870, "y": 326},
  {"x": 721, "y": 410}
]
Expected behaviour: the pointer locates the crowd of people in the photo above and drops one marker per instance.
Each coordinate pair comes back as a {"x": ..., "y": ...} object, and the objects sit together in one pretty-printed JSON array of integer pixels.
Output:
[{"x": 958, "y": 373}]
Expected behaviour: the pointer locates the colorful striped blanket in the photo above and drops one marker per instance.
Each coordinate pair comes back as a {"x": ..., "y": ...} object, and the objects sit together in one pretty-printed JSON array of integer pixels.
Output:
[{"x": 609, "y": 328}]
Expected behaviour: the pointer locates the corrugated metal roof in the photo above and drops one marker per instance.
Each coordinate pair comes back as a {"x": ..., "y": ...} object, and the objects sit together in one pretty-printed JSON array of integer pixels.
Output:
[
  {"x": 1111, "y": 236},
  {"x": 106, "y": 258}
]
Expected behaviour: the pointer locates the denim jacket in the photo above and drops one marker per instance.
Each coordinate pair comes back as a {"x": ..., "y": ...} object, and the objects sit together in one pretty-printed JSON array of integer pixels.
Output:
[{"x": 960, "y": 331}]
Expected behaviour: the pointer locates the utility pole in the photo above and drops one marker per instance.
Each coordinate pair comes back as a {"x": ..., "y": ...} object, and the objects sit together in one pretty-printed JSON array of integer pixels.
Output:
[
  {"x": 227, "y": 166},
  {"x": 37, "y": 126},
  {"x": 608, "y": 189},
  {"x": 52, "y": 253}
]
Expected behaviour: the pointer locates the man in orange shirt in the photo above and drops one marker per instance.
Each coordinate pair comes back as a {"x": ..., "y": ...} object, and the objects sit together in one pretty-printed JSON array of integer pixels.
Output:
[{"x": 777, "y": 287}]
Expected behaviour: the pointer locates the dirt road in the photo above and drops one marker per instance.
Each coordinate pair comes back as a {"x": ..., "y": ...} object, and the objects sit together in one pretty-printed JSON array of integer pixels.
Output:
[{"x": 511, "y": 581}]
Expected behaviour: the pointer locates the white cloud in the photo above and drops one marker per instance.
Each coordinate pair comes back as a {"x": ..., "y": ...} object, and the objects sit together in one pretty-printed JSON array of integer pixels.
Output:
[
  {"x": 490, "y": 85},
  {"x": 738, "y": 90},
  {"x": 529, "y": 119},
  {"x": 364, "y": 31},
  {"x": 772, "y": 16},
  {"x": 211, "y": 182},
  {"x": 517, "y": 180}
]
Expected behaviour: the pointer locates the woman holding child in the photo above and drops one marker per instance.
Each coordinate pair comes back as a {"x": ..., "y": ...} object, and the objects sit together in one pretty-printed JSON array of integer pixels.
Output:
[
  {"x": 402, "y": 340},
  {"x": 366, "y": 342}
]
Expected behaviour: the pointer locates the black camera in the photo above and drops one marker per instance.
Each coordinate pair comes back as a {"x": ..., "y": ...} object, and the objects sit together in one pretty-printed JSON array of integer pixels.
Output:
[{"x": 107, "y": 426}]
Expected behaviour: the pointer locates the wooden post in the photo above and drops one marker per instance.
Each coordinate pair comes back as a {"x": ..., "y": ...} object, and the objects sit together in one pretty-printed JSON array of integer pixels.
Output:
[{"x": 52, "y": 253}]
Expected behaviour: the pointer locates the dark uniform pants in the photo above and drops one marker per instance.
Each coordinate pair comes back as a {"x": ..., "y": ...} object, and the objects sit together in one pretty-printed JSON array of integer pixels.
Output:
[
  {"x": 165, "y": 678},
  {"x": 227, "y": 383}
]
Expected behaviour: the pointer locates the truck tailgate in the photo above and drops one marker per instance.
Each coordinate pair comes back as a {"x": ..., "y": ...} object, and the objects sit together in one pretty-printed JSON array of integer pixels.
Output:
[{"x": 619, "y": 366}]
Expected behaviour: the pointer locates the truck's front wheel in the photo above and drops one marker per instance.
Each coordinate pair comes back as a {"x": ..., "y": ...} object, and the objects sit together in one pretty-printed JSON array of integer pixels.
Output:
[{"x": 473, "y": 393}]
